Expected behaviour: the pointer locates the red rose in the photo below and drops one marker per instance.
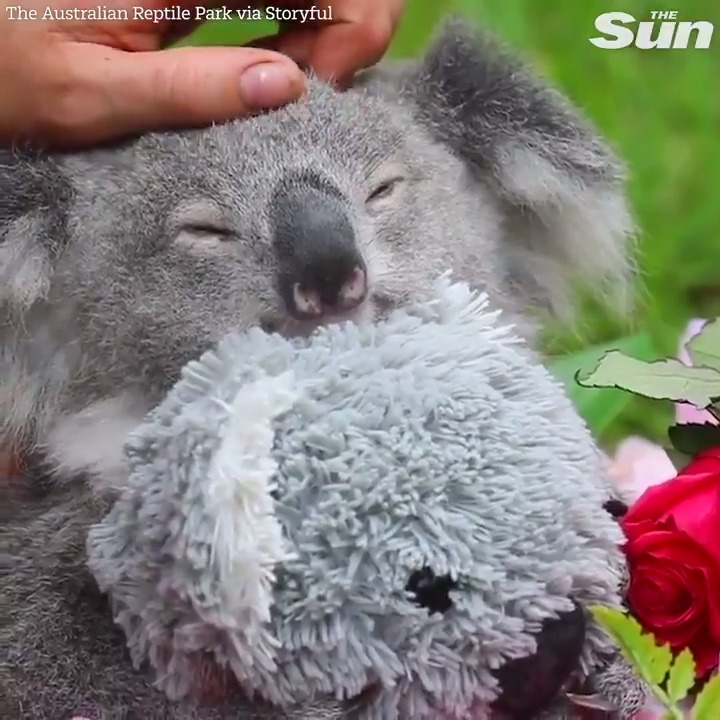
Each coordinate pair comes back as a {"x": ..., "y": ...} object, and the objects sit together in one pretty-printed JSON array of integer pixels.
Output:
[{"x": 673, "y": 551}]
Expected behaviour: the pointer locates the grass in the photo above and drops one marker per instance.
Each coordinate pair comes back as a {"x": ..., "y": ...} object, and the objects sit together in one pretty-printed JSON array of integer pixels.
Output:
[{"x": 661, "y": 110}]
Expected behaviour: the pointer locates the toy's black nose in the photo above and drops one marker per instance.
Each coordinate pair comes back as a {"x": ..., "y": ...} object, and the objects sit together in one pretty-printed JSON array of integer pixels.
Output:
[
  {"x": 530, "y": 684},
  {"x": 321, "y": 271},
  {"x": 431, "y": 591}
]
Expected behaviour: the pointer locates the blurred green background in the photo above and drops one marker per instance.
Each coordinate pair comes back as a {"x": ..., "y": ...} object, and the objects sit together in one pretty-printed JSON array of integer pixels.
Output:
[{"x": 661, "y": 111}]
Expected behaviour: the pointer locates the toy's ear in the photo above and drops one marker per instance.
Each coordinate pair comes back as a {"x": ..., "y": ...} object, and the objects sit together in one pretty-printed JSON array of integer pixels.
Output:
[
  {"x": 34, "y": 196},
  {"x": 204, "y": 565},
  {"x": 560, "y": 185}
]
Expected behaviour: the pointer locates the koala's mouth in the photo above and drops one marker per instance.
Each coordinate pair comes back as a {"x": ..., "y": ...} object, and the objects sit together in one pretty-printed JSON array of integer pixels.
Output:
[{"x": 374, "y": 308}]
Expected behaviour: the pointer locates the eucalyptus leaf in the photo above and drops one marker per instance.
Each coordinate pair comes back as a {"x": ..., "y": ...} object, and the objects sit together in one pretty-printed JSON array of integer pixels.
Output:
[
  {"x": 704, "y": 348},
  {"x": 692, "y": 438},
  {"x": 661, "y": 380}
]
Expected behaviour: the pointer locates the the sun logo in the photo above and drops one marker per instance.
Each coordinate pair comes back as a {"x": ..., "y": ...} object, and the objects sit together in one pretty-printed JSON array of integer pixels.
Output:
[{"x": 662, "y": 32}]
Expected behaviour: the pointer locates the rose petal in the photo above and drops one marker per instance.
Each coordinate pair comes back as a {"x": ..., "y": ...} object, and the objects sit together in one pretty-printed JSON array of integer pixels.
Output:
[
  {"x": 691, "y": 500},
  {"x": 662, "y": 603},
  {"x": 670, "y": 546},
  {"x": 699, "y": 517},
  {"x": 635, "y": 530},
  {"x": 706, "y": 658},
  {"x": 687, "y": 621},
  {"x": 647, "y": 535},
  {"x": 699, "y": 479},
  {"x": 674, "y": 595},
  {"x": 678, "y": 633},
  {"x": 645, "y": 592},
  {"x": 710, "y": 579}
]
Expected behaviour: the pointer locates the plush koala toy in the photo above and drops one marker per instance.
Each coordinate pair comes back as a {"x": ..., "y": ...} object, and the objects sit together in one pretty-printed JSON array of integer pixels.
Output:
[
  {"x": 120, "y": 265},
  {"x": 401, "y": 520}
]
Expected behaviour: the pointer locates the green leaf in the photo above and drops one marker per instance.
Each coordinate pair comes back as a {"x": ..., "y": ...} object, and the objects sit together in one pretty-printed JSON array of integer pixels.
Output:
[
  {"x": 692, "y": 438},
  {"x": 707, "y": 704},
  {"x": 599, "y": 407},
  {"x": 682, "y": 676},
  {"x": 704, "y": 348},
  {"x": 655, "y": 659},
  {"x": 652, "y": 661},
  {"x": 661, "y": 380}
]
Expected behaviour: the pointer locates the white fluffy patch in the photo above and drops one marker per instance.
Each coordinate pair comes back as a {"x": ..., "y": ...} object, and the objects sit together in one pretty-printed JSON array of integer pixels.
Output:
[
  {"x": 91, "y": 441},
  {"x": 248, "y": 540}
]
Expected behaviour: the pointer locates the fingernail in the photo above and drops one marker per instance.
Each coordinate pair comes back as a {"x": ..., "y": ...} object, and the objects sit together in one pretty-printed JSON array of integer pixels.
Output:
[{"x": 268, "y": 85}]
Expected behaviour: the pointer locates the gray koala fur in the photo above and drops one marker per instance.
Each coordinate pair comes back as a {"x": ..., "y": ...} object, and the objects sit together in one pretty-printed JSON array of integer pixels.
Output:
[
  {"x": 119, "y": 265},
  {"x": 112, "y": 276}
]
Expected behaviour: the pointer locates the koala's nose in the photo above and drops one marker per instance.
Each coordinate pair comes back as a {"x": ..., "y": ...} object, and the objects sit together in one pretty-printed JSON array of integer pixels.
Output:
[
  {"x": 321, "y": 271},
  {"x": 329, "y": 285},
  {"x": 530, "y": 684}
]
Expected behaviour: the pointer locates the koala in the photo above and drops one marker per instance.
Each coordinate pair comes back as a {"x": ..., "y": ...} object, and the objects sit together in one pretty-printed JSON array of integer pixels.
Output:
[{"x": 120, "y": 264}]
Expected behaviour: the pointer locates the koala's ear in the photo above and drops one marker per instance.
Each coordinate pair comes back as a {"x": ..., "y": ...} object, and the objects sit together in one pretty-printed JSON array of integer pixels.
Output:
[
  {"x": 560, "y": 185},
  {"x": 34, "y": 196}
]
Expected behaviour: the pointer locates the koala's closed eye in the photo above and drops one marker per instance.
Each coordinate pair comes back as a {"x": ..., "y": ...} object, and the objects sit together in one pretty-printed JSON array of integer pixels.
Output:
[
  {"x": 200, "y": 224},
  {"x": 383, "y": 190},
  {"x": 205, "y": 229}
]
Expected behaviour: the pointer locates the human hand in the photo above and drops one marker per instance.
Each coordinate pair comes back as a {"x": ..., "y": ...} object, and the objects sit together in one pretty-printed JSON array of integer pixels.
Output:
[
  {"x": 78, "y": 82},
  {"x": 354, "y": 35}
]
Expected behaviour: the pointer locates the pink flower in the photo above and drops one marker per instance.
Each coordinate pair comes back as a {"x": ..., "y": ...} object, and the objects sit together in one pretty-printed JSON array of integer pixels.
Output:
[{"x": 686, "y": 413}]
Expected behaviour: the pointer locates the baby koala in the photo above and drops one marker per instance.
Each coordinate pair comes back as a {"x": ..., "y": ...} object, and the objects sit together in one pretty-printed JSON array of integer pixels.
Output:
[{"x": 118, "y": 265}]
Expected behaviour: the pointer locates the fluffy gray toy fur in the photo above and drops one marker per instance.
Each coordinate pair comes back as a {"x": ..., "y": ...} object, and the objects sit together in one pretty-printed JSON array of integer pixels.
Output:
[{"x": 284, "y": 495}]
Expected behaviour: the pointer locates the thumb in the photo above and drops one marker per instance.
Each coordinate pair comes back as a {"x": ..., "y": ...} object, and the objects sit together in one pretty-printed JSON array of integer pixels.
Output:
[{"x": 125, "y": 93}]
